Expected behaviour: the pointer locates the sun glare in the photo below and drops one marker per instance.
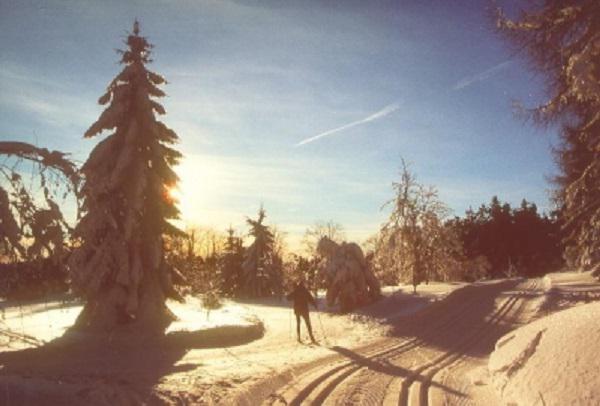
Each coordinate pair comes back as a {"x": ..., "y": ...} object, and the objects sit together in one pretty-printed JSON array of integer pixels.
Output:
[
  {"x": 199, "y": 189},
  {"x": 173, "y": 193}
]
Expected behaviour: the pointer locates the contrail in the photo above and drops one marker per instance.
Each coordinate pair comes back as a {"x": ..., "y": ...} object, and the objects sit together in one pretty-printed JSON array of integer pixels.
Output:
[
  {"x": 486, "y": 74},
  {"x": 461, "y": 84},
  {"x": 375, "y": 116}
]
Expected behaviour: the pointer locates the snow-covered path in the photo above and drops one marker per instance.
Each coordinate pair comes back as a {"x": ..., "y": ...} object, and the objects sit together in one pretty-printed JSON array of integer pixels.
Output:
[
  {"x": 241, "y": 371},
  {"x": 174, "y": 375},
  {"x": 424, "y": 360}
]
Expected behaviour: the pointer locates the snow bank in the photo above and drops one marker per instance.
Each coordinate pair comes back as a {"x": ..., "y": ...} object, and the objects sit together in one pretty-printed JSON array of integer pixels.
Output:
[
  {"x": 192, "y": 315},
  {"x": 23, "y": 325},
  {"x": 552, "y": 361},
  {"x": 568, "y": 289}
]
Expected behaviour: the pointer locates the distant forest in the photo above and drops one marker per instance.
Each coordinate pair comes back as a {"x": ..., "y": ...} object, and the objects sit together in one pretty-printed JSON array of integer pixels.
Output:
[{"x": 515, "y": 241}]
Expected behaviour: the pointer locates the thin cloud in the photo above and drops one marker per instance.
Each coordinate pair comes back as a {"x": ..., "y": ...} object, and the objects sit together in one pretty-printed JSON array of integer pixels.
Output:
[
  {"x": 49, "y": 101},
  {"x": 389, "y": 109},
  {"x": 469, "y": 80}
]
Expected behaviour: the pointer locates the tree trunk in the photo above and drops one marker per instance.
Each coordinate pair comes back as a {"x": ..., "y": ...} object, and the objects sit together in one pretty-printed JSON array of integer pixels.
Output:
[{"x": 107, "y": 312}]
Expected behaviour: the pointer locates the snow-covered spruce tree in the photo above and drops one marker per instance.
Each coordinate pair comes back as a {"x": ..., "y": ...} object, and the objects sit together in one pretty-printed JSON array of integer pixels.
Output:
[
  {"x": 346, "y": 274},
  {"x": 261, "y": 267},
  {"x": 230, "y": 264},
  {"x": 562, "y": 41},
  {"x": 119, "y": 266}
]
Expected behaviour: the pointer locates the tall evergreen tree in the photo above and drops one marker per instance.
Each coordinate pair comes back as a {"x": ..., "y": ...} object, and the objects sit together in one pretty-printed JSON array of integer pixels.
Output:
[
  {"x": 262, "y": 266},
  {"x": 230, "y": 264},
  {"x": 119, "y": 266},
  {"x": 562, "y": 40}
]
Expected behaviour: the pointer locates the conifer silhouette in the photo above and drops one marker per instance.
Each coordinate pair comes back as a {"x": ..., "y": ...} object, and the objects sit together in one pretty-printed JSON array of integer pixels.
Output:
[
  {"x": 119, "y": 266},
  {"x": 230, "y": 264},
  {"x": 562, "y": 40},
  {"x": 262, "y": 267}
]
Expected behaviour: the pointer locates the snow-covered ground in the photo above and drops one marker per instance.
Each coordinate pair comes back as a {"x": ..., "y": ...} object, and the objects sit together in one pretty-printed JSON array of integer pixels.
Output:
[
  {"x": 554, "y": 360},
  {"x": 209, "y": 374},
  {"x": 223, "y": 371},
  {"x": 23, "y": 325}
]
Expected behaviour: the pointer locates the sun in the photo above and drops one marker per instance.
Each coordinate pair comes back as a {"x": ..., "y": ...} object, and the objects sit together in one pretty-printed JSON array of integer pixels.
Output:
[
  {"x": 174, "y": 193},
  {"x": 199, "y": 189}
]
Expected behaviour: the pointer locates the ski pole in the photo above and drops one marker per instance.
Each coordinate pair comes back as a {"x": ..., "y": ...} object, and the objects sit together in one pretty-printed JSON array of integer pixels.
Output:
[
  {"x": 322, "y": 329},
  {"x": 290, "y": 324}
]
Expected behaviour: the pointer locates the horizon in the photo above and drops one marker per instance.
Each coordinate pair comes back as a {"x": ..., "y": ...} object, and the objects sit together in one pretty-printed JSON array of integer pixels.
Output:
[{"x": 305, "y": 109}]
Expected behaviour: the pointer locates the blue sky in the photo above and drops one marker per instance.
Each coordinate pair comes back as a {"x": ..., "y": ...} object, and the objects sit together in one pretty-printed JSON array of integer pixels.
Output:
[{"x": 304, "y": 106}]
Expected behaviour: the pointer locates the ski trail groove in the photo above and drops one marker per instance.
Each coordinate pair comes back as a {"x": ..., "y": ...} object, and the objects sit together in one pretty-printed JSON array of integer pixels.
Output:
[
  {"x": 485, "y": 331},
  {"x": 370, "y": 382},
  {"x": 382, "y": 372},
  {"x": 416, "y": 393},
  {"x": 341, "y": 373},
  {"x": 489, "y": 334}
]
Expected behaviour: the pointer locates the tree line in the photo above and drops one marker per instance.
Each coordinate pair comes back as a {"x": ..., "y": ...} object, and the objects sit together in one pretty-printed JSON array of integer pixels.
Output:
[
  {"x": 420, "y": 242},
  {"x": 217, "y": 262}
]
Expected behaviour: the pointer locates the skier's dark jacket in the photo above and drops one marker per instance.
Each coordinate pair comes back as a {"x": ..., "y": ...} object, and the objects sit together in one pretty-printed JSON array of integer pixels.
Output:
[{"x": 301, "y": 297}]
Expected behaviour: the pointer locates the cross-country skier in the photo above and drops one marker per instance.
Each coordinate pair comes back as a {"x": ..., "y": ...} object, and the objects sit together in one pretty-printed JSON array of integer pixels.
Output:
[{"x": 302, "y": 297}]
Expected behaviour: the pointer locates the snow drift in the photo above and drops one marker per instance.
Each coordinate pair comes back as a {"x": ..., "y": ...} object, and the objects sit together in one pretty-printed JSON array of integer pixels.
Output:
[{"x": 552, "y": 361}]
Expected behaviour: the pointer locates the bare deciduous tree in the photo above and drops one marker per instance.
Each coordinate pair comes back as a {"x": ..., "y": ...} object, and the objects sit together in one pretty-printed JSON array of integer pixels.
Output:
[
  {"x": 330, "y": 229},
  {"x": 34, "y": 233},
  {"x": 413, "y": 243}
]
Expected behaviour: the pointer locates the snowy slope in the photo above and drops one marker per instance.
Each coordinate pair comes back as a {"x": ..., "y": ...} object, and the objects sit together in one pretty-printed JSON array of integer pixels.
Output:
[{"x": 552, "y": 361}]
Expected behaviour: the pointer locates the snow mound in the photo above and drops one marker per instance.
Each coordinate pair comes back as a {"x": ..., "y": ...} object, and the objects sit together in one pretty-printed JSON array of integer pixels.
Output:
[{"x": 552, "y": 361}]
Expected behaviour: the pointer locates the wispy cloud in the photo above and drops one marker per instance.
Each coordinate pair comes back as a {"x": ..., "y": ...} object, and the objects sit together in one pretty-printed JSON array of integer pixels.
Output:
[
  {"x": 486, "y": 74},
  {"x": 47, "y": 100},
  {"x": 13, "y": 72},
  {"x": 375, "y": 116}
]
